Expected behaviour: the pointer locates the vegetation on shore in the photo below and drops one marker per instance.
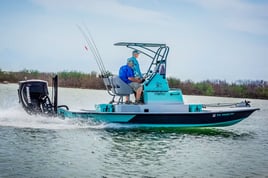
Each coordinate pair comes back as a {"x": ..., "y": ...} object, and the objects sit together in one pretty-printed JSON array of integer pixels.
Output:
[{"x": 240, "y": 89}]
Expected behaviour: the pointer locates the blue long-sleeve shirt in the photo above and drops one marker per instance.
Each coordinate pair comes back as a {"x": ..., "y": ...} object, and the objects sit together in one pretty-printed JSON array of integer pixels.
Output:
[
  {"x": 136, "y": 67},
  {"x": 125, "y": 72}
]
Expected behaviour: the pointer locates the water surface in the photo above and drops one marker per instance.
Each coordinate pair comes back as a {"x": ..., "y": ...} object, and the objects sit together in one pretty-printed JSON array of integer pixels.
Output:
[{"x": 35, "y": 146}]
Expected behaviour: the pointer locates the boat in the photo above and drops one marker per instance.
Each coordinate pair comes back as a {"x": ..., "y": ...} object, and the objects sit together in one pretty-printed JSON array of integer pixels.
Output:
[{"x": 161, "y": 105}]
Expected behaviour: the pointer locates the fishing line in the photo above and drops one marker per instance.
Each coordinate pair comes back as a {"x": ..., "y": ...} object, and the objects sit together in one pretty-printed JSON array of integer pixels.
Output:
[{"x": 93, "y": 48}]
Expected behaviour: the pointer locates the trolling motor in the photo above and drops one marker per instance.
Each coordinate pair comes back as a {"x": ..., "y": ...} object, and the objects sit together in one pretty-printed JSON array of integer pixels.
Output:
[{"x": 34, "y": 97}]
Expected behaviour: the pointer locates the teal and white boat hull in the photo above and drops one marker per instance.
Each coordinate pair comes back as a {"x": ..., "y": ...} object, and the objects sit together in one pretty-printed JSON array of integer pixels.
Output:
[{"x": 171, "y": 119}]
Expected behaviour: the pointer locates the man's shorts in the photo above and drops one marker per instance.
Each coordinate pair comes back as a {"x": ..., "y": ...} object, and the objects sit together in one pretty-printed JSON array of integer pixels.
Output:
[{"x": 135, "y": 85}]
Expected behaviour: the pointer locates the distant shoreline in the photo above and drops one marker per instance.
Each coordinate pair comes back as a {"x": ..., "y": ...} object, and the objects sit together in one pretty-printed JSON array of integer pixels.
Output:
[{"x": 73, "y": 79}]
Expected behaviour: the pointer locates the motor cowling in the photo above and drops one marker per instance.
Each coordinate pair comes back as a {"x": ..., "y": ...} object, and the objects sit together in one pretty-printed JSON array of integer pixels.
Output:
[{"x": 34, "y": 97}]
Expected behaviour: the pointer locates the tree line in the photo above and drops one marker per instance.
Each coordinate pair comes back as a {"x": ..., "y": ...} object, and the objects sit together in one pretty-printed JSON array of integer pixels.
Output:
[
  {"x": 75, "y": 79},
  {"x": 71, "y": 79},
  {"x": 240, "y": 89}
]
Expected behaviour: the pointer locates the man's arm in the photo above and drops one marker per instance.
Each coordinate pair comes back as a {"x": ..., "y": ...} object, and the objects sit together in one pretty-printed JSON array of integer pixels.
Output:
[{"x": 133, "y": 79}]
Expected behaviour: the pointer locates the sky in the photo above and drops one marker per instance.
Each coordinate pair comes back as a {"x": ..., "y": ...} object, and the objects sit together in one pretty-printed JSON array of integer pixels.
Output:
[{"x": 208, "y": 39}]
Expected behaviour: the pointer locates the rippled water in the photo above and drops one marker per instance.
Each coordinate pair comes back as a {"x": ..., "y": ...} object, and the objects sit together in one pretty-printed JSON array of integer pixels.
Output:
[{"x": 34, "y": 146}]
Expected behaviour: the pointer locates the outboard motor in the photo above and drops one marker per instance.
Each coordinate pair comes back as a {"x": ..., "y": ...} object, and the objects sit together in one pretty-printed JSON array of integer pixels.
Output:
[{"x": 34, "y": 97}]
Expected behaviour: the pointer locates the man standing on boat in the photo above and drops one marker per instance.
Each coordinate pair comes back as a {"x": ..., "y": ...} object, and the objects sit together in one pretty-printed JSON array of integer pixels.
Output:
[
  {"x": 126, "y": 73},
  {"x": 136, "y": 67}
]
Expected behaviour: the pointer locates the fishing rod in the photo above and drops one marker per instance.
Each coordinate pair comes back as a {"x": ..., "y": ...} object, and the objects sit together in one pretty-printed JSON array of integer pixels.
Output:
[
  {"x": 93, "y": 48},
  {"x": 96, "y": 49}
]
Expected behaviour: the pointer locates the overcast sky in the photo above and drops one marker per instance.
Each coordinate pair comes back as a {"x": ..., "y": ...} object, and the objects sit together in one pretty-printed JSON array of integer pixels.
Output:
[{"x": 208, "y": 39}]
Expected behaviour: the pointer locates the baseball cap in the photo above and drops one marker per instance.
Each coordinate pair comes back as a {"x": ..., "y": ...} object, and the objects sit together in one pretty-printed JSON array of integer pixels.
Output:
[
  {"x": 136, "y": 52},
  {"x": 129, "y": 60}
]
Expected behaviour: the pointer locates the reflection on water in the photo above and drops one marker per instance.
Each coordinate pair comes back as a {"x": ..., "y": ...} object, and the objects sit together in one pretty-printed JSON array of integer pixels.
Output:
[
  {"x": 148, "y": 149},
  {"x": 169, "y": 132}
]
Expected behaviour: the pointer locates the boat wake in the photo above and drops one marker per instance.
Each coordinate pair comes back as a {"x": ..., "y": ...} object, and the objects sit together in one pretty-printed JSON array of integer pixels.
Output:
[
  {"x": 16, "y": 117},
  {"x": 13, "y": 115}
]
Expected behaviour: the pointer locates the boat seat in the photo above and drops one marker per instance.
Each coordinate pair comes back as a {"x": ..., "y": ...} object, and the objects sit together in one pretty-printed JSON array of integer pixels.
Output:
[
  {"x": 119, "y": 87},
  {"x": 116, "y": 87}
]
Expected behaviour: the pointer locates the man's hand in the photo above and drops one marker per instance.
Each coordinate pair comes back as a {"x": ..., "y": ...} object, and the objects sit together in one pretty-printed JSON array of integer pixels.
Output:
[{"x": 138, "y": 80}]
